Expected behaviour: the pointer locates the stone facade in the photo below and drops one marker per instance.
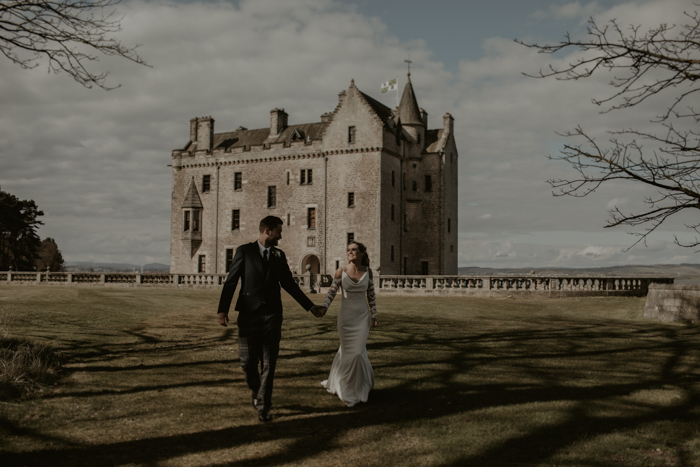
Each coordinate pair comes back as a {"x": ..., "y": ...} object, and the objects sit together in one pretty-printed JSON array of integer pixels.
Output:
[{"x": 364, "y": 170}]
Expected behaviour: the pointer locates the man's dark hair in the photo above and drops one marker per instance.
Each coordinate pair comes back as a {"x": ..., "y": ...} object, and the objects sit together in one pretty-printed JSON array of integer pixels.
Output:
[{"x": 270, "y": 222}]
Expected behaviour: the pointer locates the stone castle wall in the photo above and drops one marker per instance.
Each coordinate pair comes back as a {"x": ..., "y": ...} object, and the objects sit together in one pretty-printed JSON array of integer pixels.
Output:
[{"x": 339, "y": 166}]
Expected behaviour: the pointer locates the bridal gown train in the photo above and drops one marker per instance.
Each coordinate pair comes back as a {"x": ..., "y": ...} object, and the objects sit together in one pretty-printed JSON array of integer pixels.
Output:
[{"x": 351, "y": 376}]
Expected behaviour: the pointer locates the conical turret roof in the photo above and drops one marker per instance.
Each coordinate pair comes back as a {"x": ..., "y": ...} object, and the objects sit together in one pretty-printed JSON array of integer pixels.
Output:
[
  {"x": 409, "y": 112},
  {"x": 192, "y": 199}
]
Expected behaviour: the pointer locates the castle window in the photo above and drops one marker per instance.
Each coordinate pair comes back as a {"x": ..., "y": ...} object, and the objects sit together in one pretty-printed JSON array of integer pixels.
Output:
[
  {"x": 187, "y": 221},
  {"x": 351, "y": 134},
  {"x": 428, "y": 183},
  {"x": 238, "y": 181},
  {"x": 271, "y": 196},
  {"x": 229, "y": 258},
  {"x": 415, "y": 185},
  {"x": 311, "y": 218},
  {"x": 206, "y": 183},
  {"x": 310, "y": 242},
  {"x": 195, "y": 220},
  {"x": 424, "y": 268},
  {"x": 393, "y": 178},
  {"x": 351, "y": 199},
  {"x": 202, "y": 264},
  {"x": 306, "y": 177},
  {"x": 236, "y": 219},
  {"x": 392, "y": 253},
  {"x": 449, "y": 226},
  {"x": 392, "y": 212},
  {"x": 289, "y": 219},
  {"x": 351, "y": 237},
  {"x": 287, "y": 178}
]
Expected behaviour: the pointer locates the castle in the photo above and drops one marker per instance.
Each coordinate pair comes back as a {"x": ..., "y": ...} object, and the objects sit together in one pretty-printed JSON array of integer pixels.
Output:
[{"x": 364, "y": 172}]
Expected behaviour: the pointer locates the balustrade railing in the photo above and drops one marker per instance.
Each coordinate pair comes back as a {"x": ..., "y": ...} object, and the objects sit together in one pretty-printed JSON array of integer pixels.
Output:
[
  {"x": 459, "y": 285},
  {"x": 130, "y": 279}
]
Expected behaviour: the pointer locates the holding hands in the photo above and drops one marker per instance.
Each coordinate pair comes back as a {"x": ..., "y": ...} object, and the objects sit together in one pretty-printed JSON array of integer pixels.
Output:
[{"x": 319, "y": 311}]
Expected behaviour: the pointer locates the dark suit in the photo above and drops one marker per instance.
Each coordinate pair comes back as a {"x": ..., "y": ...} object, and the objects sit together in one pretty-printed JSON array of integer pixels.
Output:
[{"x": 259, "y": 309}]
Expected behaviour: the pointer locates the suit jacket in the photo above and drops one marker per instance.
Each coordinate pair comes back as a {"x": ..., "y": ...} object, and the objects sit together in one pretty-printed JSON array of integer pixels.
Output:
[{"x": 260, "y": 290}]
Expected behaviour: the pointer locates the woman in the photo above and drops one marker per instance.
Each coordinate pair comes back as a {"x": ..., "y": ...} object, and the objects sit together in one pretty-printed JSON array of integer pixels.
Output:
[{"x": 351, "y": 376}]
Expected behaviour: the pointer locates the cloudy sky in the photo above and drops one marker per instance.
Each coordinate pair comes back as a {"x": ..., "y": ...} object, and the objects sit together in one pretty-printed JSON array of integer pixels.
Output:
[{"x": 96, "y": 162}]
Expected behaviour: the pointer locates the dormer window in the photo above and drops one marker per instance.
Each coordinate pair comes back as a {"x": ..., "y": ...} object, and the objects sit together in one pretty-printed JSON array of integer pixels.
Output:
[{"x": 298, "y": 134}]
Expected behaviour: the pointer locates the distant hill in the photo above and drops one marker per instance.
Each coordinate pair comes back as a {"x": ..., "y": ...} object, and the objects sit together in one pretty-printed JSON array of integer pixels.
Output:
[{"x": 78, "y": 266}]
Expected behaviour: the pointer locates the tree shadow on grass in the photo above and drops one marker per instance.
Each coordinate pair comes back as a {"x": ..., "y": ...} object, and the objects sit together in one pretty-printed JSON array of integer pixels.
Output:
[{"x": 439, "y": 371}]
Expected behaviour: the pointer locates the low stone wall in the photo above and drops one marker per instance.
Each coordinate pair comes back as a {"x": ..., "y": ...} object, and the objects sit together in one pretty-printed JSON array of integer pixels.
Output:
[
  {"x": 673, "y": 303},
  {"x": 480, "y": 286}
]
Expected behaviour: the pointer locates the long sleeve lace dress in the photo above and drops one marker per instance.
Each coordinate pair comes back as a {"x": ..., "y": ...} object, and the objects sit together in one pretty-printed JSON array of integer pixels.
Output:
[{"x": 351, "y": 376}]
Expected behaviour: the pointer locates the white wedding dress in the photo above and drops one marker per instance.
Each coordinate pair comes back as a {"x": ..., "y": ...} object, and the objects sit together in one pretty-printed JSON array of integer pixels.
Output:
[{"x": 351, "y": 376}]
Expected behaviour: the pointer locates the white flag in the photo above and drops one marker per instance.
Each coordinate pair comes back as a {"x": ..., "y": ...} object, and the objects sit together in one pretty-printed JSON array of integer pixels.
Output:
[{"x": 390, "y": 85}]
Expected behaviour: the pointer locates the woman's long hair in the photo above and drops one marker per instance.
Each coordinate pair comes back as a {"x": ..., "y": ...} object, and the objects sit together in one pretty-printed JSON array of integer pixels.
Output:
[{"x": 363, "y": 249}]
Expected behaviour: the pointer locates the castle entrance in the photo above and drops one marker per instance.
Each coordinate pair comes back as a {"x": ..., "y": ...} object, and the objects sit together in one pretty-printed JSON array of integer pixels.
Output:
[{"x": 313, "y": 264}]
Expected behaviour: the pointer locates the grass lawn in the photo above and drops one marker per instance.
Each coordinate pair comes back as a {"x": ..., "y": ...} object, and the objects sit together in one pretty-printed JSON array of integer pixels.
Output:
[{"x": 151, "y": 379}]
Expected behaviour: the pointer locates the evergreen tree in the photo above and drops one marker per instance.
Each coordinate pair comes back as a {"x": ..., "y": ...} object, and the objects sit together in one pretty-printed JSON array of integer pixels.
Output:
[
  {"x": 19, "y": 242},
  {"x": 49, "y": 256}
]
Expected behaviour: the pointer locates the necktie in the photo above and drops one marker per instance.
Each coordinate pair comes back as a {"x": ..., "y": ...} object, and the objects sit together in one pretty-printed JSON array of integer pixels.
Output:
[{"x": 265, "y": 262}]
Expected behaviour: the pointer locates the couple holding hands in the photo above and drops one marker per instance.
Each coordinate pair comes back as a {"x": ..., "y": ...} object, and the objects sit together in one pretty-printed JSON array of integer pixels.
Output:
[{"x": 262, "y": 269}]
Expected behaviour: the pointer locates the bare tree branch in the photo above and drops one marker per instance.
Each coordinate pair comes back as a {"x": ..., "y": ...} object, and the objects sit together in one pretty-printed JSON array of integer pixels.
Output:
[
  {"x": 664, "y": 60},
  {"x": 62, "y": 33}
]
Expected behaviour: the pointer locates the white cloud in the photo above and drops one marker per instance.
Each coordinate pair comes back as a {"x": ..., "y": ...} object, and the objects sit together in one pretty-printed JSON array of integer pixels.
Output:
[{"x": 95, "y": 161}]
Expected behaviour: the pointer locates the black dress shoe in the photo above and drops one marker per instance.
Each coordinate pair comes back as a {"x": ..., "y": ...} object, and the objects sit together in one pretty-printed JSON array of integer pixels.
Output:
[{"x": 264, "y": 416}]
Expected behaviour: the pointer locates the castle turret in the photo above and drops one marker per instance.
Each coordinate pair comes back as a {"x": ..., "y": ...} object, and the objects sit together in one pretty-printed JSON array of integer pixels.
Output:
[{"x": 410, "y": 114}]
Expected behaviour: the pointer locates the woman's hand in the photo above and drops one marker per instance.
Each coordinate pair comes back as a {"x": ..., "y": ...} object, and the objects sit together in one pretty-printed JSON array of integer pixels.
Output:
[{"x": 374, "y": 322}]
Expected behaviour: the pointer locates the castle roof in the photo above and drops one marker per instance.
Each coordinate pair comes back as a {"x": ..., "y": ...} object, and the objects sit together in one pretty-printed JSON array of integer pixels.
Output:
[
  {"x": 409, "y": 113},
  {"x": 258, "y": 137},
  {"x": 192, "y": 199},
  {"x": 434, "y": 141},
  {"x": 382, "y": 111}
]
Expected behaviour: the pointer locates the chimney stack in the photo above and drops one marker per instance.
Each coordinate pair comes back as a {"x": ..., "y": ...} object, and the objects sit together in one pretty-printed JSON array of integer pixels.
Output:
[
  {"x": 448, "y": 124},
  {"x": 205, "y": 134},
  {"x": 278, "y": 122},
  {"x": 424, "y": 116},
  {"x": 193, "y": 129}
]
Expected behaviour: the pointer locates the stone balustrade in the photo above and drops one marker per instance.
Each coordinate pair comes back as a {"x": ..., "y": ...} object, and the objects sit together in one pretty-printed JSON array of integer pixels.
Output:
[
  {"x": 494, "y": 286},
  {"x": 484, "y": 286},
  {"x": 127, "y": 279}
]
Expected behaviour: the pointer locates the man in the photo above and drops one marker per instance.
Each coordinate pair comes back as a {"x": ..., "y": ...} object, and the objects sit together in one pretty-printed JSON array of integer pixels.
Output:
[{"x": 262, "y": 268}]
